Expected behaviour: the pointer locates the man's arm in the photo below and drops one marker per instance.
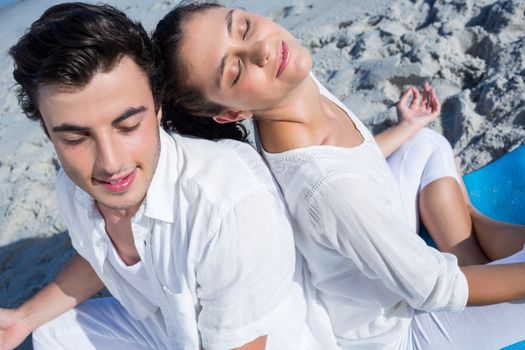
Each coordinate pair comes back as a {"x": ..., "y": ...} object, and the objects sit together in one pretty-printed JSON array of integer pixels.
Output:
[
  {"x": 411, "y": 117},
  {"x": 75, "y": 283}
]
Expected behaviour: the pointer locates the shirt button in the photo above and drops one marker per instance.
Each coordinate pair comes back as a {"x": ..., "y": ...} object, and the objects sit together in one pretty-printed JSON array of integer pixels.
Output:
[{"x": 145, "y": 244}]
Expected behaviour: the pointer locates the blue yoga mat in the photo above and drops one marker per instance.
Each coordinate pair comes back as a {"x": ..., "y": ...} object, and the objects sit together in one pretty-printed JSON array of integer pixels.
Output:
[
  {"x": 497, "y": 190},
  {"x": 516, "y": 346}
]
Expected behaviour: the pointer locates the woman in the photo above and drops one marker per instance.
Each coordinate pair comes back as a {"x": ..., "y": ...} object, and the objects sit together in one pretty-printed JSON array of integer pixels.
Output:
[{"x": 354, "y": 227}]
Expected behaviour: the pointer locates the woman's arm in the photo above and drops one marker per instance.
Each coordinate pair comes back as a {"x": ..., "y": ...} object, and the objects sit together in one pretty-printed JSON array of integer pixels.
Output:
[
  {"x": 257, "y": 344},
  {"x": 365, "y": 223},
  {"x": 356, "y": 221},
  {"x": 492, "y": 284},
  {"x": 412, "y": 117}
]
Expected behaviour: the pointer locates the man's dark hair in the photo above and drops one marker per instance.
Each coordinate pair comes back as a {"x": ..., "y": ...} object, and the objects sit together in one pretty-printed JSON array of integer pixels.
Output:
[
  {"x": 72, "y": 42},
  {"x": 185, "y": 108}
]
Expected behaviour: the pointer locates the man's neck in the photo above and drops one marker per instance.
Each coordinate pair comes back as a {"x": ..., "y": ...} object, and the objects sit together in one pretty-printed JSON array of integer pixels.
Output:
[{"x": 118, "y": 227}]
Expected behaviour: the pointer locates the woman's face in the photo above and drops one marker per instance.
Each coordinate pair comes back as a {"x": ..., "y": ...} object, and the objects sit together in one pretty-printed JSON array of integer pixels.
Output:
[{"x": 243, "y": 61}]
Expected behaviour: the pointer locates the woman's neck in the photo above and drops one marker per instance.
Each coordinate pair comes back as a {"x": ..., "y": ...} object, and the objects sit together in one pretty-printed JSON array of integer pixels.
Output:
[
  {"x": 305, "y": 119},
  {"x": 297, "y": 122}
]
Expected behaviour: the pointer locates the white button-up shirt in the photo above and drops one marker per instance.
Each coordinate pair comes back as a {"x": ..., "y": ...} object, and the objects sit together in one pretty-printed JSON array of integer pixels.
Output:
[
  {"x": 369, "y": 266},
  {"x": 217, "y": 247}
]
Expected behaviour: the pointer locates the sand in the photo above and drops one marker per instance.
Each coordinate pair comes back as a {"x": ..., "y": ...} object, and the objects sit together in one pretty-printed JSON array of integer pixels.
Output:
[{"x": 365, "y": 52}]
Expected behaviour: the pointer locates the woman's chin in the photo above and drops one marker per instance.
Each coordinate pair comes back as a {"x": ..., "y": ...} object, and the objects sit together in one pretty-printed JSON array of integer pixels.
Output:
[{"x": 303, "y": 65}]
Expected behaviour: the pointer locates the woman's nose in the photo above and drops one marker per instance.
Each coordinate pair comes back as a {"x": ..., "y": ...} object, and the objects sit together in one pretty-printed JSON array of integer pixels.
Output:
[{"x": 260, "y": 52}]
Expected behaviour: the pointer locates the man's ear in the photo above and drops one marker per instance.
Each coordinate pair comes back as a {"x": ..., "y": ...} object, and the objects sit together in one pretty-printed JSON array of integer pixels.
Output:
[{"x": 231, "y": 116}]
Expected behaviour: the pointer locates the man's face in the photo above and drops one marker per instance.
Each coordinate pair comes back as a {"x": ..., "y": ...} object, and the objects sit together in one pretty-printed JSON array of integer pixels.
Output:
[{"x": 106, "y": 134}]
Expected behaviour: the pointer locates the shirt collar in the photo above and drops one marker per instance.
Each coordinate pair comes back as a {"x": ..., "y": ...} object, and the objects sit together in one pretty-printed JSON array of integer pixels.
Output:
[
  {"x": 84, "y": 198},
  {"x": 161, "y": 199}
]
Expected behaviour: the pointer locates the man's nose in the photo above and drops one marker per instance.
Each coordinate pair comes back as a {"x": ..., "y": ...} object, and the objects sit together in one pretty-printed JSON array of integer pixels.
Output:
[{"x": 107, "y": 158}]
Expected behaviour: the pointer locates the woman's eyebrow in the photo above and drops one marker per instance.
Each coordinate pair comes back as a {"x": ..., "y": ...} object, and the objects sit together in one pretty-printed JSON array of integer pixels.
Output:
[
  {"x": 229, "y": 24},
  {"x": 229, "y": 21}
]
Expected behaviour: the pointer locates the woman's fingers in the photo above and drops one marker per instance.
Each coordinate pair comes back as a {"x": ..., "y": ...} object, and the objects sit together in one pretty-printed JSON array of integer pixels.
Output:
[
  {"x": 415, "y": 98},
  {"x": 434, "y": 102},
  {"x": 426, "y": 95},
  {"x": 438, "y": 104},
  {"x": 404, "y": 98}
]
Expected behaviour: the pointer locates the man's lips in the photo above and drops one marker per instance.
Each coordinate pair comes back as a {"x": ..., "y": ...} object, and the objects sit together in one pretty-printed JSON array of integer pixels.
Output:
[
  {"x": 117, "y": 185},
  {"x": 285, "y": 57}
]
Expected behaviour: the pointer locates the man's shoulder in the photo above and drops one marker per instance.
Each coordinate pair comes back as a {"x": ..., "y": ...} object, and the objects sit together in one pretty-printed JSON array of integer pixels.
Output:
[
  {"x": 225, "y": 147},
  {"x": 222, "y": 167}
]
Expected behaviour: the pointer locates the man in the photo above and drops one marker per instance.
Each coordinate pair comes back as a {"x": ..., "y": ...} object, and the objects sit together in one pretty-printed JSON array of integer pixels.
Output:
[{"x": 188, "y": 235}]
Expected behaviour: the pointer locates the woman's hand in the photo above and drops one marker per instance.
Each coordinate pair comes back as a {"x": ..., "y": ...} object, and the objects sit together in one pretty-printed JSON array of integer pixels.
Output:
[
  {"x": 420, "y": 112},
  {"x": 13, "y": 329},
  {"x": 412, "y": 118}
]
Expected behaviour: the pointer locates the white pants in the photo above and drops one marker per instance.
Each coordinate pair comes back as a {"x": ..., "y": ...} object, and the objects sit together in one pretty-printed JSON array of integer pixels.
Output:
[
  {"x": 101, "y": 324},
  {"x": 426, "y": 157}
]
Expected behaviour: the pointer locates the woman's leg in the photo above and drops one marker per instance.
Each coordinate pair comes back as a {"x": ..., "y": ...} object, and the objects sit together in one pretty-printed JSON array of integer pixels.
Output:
[
  {"x": 425, "y": 169},
  {"x": 100, "y": 324},
  {"x": 497, "y": 238},
  {"x": 447, "y": 219},
  {"x": 477, "y": 327}
]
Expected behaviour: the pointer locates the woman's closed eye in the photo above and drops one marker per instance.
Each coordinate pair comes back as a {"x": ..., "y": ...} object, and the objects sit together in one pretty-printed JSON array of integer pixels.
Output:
[
  {"x": 247, "y": 30},
  {"x": 247, "y": 27},
  {"x": 239, "y": 71}
]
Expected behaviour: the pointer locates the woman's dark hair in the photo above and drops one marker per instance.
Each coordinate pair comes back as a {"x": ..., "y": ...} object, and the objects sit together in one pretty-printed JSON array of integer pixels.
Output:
[
  {"x": 72, "y": 42},
  {"x": 185, "y": 108}
]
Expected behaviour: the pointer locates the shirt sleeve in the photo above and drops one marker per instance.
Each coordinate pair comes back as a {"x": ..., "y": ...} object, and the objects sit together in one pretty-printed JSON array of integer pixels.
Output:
[
  {"x": 245, "y": 276},
  {"x": 351, "y": 214}
]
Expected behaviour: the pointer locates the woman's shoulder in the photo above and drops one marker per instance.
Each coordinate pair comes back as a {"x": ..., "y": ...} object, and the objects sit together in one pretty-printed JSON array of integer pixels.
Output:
[{"x": 300, "y": 170}]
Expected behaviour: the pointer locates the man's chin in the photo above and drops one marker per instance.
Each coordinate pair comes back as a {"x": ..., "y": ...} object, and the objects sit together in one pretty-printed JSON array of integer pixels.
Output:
[{"x": 120, "y": 204}]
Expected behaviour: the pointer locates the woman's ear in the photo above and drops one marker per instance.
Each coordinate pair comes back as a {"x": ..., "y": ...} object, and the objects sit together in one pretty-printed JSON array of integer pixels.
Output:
[
  {"x": 231, "y": 116},
  {"x": 159, "y": 116}
]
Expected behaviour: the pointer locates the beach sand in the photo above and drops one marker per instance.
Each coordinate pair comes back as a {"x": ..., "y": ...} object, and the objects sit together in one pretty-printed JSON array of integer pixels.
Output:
[{"x": 365, "y": 52}]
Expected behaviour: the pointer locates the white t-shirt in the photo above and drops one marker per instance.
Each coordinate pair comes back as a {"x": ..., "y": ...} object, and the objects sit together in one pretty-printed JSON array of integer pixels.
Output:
[
  {"x": 217, "y": 247},
  {"x": 369, "y": 266},
  {"x": 135, "y": 274}
]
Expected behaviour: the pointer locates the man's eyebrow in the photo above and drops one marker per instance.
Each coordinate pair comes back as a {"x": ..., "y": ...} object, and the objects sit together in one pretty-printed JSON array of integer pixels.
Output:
[
  {"x": 128, "y": 113},
  {"x": 82, "y": 129},
  {"x": 70, "y": 128},
  {"x": 229, "y": 23}
]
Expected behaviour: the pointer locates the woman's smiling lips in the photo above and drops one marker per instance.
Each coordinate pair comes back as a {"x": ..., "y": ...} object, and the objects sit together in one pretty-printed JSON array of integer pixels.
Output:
[
  {"x": 285, "y": 56},
  {"x": 119, "y": 184}
]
